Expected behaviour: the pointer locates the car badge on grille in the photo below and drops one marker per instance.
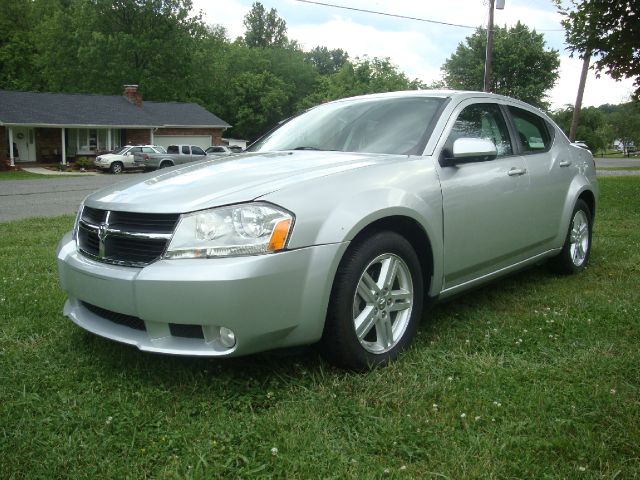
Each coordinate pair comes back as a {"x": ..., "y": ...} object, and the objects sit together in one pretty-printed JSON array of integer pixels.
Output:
[{"x": 102, "y": 235}]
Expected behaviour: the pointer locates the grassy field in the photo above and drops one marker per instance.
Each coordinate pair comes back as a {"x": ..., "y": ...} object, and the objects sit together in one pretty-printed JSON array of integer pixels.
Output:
[
  {"x": 536, "y": 376},
  {"x": 21, "y": 175}
]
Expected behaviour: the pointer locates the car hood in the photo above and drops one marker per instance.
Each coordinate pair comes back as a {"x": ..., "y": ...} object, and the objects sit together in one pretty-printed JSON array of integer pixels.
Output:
[{"x": 239, "y": 178}]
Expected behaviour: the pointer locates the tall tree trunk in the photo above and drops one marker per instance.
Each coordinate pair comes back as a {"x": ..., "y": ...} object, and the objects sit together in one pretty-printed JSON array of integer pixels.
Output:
[{"x": 583, "y": 80}]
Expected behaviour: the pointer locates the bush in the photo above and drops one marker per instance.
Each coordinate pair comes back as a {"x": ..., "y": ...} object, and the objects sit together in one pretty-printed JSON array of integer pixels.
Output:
[{"x": 83, "y": 163}]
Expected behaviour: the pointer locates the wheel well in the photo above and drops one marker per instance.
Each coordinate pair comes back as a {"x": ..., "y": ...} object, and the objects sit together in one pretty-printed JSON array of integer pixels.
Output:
[
  {"x": 413, "y": 232},
  {"x": 588, "y": 197},
  {"x": 166, "y": 162}
]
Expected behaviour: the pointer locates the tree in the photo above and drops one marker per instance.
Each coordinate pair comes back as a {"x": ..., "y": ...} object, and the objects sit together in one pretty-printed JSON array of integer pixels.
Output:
[
  {"x": 327, "y": 61},
  {"x": 362, "y": 76},
  {"x": 522, "y": 67},
  {"x": 610, "y": 30},
  {"x": 593, "y": 129},
  {"x": 626, "y": 125},
  {"x": 264, "y": 29},
  {"x": 260, "y": 100}
]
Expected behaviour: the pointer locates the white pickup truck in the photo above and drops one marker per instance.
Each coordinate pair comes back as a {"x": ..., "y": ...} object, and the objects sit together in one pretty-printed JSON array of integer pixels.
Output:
[{"x": 175, "y": 155}]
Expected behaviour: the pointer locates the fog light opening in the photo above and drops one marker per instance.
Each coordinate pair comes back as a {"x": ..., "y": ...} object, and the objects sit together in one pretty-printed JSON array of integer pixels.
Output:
[{"x": 227, "y": 337}]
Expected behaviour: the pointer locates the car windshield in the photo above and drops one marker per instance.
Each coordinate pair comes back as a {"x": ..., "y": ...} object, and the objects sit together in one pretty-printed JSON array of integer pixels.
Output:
[
  {"x": 383, "y": 125},
  {"x": 119, "y": 150},
  {"x": 160, "y": 149}
]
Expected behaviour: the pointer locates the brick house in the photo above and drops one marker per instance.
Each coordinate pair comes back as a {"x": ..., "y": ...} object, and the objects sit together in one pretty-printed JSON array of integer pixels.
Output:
[{"x": 56, "y": 127}]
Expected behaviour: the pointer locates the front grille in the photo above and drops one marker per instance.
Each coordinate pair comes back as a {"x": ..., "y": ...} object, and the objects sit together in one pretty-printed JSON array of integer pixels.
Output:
[
  {"x": 124, "y": 238},
  {"x": 115, "y": 317}
]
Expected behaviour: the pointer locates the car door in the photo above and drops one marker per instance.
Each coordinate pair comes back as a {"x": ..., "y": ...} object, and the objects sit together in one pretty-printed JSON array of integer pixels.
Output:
[
  {"x": 550, "y": 170},
  {"x": 129, "y": 158},
  {"x": 484, "y": 201},
  {"x": 197, "y": 153}
]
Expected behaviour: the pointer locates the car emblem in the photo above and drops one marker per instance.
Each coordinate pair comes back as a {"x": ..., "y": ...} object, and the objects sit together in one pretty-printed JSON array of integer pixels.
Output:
[{"x": 103, "y": 229}]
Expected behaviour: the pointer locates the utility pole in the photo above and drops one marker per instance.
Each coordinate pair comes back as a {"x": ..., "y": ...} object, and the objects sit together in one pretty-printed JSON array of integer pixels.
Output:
[
  {"x": 489, "y": 52},
  {"x": 586, "y": 58}
]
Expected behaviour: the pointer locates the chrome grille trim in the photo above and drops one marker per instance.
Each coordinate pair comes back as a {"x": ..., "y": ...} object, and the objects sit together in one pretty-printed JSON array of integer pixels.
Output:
[{"x": 114, "y": 237}]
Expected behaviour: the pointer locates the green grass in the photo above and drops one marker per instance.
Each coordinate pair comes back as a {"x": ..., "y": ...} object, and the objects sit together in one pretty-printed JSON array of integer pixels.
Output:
[
  {"x": 536, "y": 376},
  {"x": 21, "y": 175}
]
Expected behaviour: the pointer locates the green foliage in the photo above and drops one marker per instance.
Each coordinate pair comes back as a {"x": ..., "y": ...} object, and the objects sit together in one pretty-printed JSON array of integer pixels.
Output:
[
  {"x": 593, "y": 128},
  {"x": 264, "y": 29},
  {"x": 260, "y": 100},
  {"x": 609, "y": 30},
  {"x": 600, "y": 126},
  {"x": 83, "y": 162},
  {"x": 366, "y": 75},
  {"x": 327, "y": 61},
  {"x": 626, "y": 124},
  {"x": 522, "y": 68}
]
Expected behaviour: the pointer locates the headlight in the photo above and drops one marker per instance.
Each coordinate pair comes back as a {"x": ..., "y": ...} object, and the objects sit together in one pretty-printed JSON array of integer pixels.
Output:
[
  {"x": 247, "y": 229},
  {"x": 74, "y": 235}
]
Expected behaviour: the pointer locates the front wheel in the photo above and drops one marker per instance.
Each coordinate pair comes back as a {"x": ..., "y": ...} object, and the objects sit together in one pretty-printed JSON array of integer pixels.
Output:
[
  {"x": 376, "y": 303},
  {"x": 574, "y": 256},
  {"x": 116, "y": 167}
]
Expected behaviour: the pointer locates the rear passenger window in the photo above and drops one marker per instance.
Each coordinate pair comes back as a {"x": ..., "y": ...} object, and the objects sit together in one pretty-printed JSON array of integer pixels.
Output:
[
  {"x": 185, "y": 150},
  {"x": 172, "y": 149},
  {"x": 532, "y": 130}
]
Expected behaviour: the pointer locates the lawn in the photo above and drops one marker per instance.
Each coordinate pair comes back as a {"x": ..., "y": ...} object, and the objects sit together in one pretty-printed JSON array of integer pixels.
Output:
[
  {"x": 22, "y": 175},
  {"x": 536, "y": 376}
]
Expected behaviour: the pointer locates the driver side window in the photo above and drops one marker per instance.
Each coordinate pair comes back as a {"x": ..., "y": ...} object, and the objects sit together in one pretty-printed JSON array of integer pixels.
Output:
[{"x": 482, "y": 120}]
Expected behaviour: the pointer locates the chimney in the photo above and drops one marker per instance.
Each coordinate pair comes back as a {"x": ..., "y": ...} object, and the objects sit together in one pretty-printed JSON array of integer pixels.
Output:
[{"x": 132, "y": 94}]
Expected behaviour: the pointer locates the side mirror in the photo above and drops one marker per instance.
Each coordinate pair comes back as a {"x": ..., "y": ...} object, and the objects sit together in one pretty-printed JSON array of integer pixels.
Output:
[{"x": 467, "y": 150}]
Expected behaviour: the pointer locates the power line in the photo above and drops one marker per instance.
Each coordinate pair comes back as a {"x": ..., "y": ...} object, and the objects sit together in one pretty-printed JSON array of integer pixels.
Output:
[
  {"x": 388, "y": 14},
  {"x": 418, "y": 19}
]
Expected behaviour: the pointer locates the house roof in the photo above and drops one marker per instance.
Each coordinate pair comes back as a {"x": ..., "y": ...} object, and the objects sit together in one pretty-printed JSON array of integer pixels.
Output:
[{"x": 76, "y": 109}]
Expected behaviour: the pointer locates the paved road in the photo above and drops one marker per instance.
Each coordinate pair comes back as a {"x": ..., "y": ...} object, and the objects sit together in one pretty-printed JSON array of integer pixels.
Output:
[
  {"x": 50, "y": 197},
  {"x": 617, "y": 162}
]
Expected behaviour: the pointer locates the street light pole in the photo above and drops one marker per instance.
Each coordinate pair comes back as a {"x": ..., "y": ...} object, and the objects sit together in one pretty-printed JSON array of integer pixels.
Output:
[
  {"x": 499, "y": 4},
  {"x": 489, "y": 51}
]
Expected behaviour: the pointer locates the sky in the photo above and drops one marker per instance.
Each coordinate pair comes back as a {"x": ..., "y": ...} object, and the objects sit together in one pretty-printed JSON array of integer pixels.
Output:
[{"x": 420, "y": 48}]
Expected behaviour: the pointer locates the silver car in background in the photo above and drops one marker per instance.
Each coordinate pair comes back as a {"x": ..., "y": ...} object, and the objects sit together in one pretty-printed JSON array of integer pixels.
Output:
[{"x": 336, "y": 227}]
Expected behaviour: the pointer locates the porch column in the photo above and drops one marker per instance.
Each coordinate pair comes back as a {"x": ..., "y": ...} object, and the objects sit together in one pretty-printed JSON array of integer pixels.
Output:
[
  {"x": 151, "y": 137},
  {"x": 64, "y": 148},
  {"x": 77, "y": 141},
  {"x": 109, "y": 139},
  {"x": 13, "y": 160}
]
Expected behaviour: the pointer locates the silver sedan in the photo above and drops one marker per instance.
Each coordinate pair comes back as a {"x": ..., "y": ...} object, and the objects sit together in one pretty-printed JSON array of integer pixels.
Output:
[{"x": 336, "y": 227}]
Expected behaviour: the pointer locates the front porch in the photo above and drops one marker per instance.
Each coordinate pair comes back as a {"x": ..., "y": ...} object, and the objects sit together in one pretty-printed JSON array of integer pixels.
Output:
[{"x": 63, "y": 144}]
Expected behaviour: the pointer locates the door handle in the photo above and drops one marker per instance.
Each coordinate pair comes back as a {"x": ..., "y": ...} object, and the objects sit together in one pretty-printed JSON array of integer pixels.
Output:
[
  {"x": 516, "y": 172},
  {"x": 564, "y": 163}
]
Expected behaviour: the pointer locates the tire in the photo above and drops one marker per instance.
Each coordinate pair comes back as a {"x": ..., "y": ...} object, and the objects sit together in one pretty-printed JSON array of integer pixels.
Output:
[
  {"x": 165, "y": 165},
  {"x": 116, "y": 167},
  {"x": 574, "y": 256},
  {"x": 373, "y": 316}
]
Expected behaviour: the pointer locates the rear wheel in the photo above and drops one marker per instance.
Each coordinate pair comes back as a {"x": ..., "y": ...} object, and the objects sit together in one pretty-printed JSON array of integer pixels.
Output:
[
  {"x": 165, "y": 165},
  {"x": 376, "y": 303},
  {"x": 574, "y": 256},
  {"x": 116, "y": 167}
]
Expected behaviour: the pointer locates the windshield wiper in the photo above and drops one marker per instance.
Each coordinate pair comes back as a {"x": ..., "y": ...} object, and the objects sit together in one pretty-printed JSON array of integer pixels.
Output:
[{"x": 306, "y": 148}]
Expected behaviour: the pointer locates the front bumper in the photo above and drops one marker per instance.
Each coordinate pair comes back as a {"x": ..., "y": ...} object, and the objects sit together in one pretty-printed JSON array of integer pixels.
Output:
[{"x": 268, "y": 301}]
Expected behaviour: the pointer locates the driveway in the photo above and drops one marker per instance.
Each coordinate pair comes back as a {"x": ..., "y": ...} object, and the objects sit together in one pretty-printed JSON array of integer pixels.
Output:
[{"x": 50, "y": 197}]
